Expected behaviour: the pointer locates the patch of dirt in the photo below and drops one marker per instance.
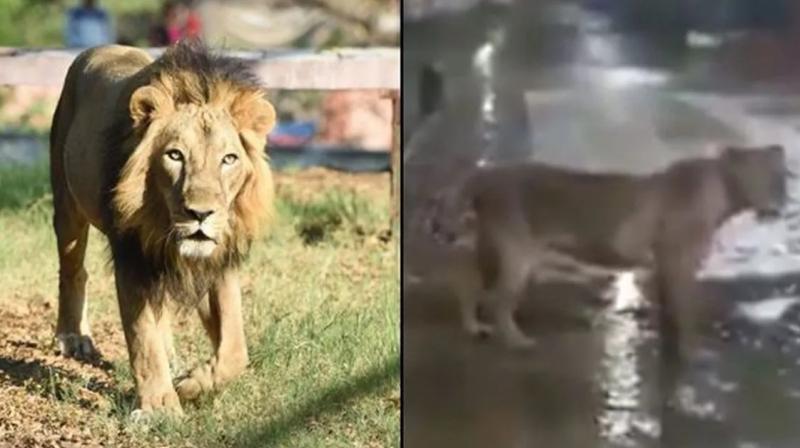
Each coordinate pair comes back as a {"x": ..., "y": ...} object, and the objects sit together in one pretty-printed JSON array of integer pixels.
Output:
[
  {"x": 47, "y": 399},
  {"x": 311, "y": 182}
]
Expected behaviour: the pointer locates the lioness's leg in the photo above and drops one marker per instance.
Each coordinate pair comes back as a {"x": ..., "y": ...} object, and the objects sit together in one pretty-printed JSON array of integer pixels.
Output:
[
  {"x": 469, "y": 290},
  {"x": 223, "y": 322},
  {"x": 553, "y": 265},
  {"x": 146, "y": 349},
  {"x": 672, "y": 347},
  {"x": 507, "y": 295},
  {"x": 477, "y": 275},
  {"x": 505, "y": 268},
  {"x": 677, "y": 290},
  {"x": 72, "y": 231}
]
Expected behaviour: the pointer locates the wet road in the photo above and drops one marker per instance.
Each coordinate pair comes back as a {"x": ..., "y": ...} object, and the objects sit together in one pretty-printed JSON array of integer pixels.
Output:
[{"x": 588, "y": 99}]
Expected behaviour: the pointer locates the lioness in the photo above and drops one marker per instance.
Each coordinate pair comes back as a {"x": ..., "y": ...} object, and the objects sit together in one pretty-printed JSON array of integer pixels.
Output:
[
  {"x": 441, "y": 246},
  {"x": 166, "y": 158},
  {"x": 664, "y": 221}
]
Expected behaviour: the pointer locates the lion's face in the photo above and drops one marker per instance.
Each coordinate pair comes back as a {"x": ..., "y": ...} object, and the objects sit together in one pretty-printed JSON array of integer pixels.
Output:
[
  {"x": 200, "y": 167},
  {"x": 197, "y": 184},
  {"x": 757, "y": 178}
]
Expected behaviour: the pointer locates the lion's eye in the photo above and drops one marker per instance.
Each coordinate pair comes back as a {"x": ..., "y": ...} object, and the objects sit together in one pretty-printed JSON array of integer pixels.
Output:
[
  {"x": 229, "y": 159},
  {"x": 175, "y": 155}
]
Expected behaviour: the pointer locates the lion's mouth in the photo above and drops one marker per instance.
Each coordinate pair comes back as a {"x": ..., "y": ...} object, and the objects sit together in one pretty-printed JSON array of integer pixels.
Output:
[
  {"x": 197, "y": 245},
  {"x": 199, "y": 236}
]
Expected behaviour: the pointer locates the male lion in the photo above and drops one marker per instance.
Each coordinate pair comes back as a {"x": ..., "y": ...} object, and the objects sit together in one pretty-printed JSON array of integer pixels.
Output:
[
  {"x": 664, "y": 222},
  {"x": 166, "y": 158}
]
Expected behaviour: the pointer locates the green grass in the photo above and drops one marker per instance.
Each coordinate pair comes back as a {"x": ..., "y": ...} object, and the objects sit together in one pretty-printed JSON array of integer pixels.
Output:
[
  {"x": 322, "y": 322},
  {"x": 22, "y": 186}
]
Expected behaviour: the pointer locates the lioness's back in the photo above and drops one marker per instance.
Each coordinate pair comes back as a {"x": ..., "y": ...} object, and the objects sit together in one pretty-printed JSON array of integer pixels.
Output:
[{"x": 572, "y": 209}]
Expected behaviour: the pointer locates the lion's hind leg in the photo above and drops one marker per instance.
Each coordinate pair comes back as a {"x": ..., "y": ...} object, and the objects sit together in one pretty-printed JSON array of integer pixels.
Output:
[{"x": 72, "y": 234}]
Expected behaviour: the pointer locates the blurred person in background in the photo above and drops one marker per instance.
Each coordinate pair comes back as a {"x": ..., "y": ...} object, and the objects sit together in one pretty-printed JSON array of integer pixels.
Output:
[
  {"x": 179, "y": 21},
  {"x": 88, "y": 25}
]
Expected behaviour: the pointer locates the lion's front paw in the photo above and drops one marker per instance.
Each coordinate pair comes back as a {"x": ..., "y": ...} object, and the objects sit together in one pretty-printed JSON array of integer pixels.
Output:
[
  {"x": 74, "y": 345},
  {"x": 166, "y": 402},
  {"x": 144, "y": 417},
  {"x": 195, "y": 383}
]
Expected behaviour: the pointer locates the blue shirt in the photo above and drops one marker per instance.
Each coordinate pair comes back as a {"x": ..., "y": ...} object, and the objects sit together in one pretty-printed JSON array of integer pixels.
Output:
[{"x": 88, "y": 27}]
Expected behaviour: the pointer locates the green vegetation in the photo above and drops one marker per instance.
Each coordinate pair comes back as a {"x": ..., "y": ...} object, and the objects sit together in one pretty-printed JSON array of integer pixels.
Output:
[
  {"x": 40, "y": 23},
  {"x": 322, "y": 322},
  {"x": 23, "y": 187}
]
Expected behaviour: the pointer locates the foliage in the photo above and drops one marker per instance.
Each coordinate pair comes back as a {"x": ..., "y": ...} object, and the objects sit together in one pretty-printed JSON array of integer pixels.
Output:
[{"x": 40, "y": 23}]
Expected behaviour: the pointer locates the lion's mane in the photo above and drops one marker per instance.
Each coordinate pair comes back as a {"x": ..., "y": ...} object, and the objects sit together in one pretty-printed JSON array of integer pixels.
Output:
[{"x": 133, "y": 213}]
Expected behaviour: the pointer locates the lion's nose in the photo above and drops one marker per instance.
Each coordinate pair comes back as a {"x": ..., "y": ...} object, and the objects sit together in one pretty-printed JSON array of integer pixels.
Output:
[{"x": 199, "y": 215}]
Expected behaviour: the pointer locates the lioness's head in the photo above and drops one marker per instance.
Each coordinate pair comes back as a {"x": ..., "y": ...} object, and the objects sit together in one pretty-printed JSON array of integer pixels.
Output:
[
  {"x": 448, "y": 219},
  {"x": 196, "y": 184},
  {"x": 757, "y": 178}
]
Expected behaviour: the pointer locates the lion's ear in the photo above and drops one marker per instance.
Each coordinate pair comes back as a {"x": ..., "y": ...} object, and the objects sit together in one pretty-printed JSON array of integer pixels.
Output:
[
  {"x": 147, "y": 103},
  {"x": 252, "y": 112}
]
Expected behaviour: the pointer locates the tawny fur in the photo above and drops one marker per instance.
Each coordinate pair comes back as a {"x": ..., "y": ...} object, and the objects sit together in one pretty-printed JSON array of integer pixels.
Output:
[
  {"x": 119, "y": 116},
  {"x": 528, "y": 217}
]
